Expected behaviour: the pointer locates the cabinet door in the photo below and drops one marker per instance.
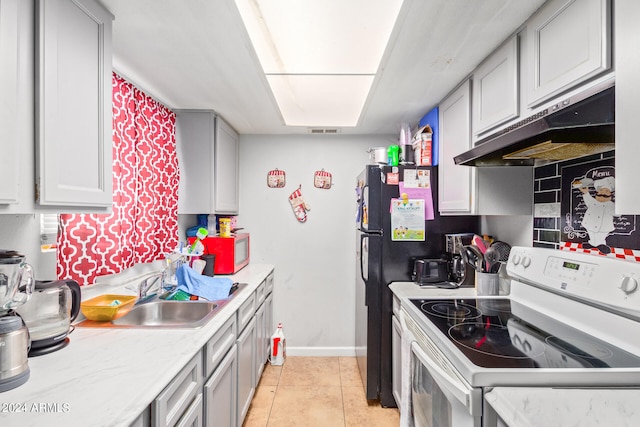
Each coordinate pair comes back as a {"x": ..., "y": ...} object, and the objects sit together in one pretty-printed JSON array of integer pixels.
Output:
[
  {"x": 569, "y": 41},
  {"x": 495, "y": 88},
  {"x": 226, "y": 167},
  {"x": 10, "y": 100},
  {"x": 195, "y": 133},
  {"x": 73, "y": 134},
  {"x": 261, "y": 327},
  {"x": 455, "y": 183},
  {"x": 246, "y": 388},
  {"x": 396, "y": 361},
  {"x": 627, "y": 101},
  {"x": 220, "y": 396},
  {"x": 268, "y": 324}
]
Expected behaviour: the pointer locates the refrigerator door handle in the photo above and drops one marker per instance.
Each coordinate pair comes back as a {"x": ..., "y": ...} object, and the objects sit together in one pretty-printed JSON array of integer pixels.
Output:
[
  {"x": 362, "y": 255},
  {"x": 364, "y": 266},
  {"x": 363, "y": 214}
]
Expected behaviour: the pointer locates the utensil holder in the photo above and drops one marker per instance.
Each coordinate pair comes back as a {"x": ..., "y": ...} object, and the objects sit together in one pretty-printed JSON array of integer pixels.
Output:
[{"x": 487, "y": 283}]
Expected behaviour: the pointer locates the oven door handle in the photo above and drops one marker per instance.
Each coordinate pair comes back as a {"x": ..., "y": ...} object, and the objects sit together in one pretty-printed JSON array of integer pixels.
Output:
[{"x": 449, "y": 383}]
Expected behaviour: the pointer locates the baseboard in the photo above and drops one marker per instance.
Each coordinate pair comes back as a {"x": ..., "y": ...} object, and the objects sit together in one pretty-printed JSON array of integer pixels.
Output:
[{"x": 321, "y": 351}]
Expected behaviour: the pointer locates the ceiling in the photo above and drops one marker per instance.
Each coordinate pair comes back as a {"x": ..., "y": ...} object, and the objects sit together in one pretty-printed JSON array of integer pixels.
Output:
[{"x": 196, "y": 54}]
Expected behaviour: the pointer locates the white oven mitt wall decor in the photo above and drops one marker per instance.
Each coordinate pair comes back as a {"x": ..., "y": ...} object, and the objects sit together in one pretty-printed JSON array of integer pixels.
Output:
[{"x": 300, "y": 207}]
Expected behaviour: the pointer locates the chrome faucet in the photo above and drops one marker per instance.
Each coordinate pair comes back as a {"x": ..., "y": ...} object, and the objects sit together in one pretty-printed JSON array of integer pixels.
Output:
[{"x": 146, "y": 285}]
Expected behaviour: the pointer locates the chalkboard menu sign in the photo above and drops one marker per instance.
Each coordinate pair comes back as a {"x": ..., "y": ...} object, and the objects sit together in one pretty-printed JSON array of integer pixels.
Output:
[{"x": 588, "y": 208}]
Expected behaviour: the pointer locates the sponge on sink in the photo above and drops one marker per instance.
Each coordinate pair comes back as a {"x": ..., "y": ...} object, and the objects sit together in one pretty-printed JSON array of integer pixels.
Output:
[{"x": 209, "y": 288}]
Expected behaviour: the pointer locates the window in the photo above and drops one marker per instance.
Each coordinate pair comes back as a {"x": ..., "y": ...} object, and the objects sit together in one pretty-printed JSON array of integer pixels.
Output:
[{"x": 143, "y": 225}]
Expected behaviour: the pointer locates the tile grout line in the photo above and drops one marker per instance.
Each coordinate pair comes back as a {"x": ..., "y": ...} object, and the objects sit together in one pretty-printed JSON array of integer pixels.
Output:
[{"x": 344, "y": 411}]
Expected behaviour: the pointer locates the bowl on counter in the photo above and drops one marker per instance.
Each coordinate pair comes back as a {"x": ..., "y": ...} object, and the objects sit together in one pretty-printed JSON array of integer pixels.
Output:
[{"x": 107, "y": 307}]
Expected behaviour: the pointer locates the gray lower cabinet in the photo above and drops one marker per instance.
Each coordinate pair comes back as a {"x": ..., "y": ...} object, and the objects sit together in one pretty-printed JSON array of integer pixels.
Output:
[
  {"x": 229, "y": 365},
  {"x": 220, "y": 404},
  {"x": 268, "y": 323},
  {"x": 260, "y": 356},
  {"x": 175, "y": 404},
  {"x": 396, "y": 358},
  {"x": 261, "y": 331},
  {"x": 246, "y": 372}
]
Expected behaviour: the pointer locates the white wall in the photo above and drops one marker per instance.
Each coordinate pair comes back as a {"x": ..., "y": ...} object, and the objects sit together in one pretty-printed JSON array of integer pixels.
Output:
[
  {"x": 517, "y": 230},
  {"x": 22, "y": 233},
  {"x": 315, "y": 261}
]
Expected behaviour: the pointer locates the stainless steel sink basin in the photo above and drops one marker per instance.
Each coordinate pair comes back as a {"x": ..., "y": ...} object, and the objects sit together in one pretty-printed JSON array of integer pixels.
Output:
[
  {"x": 159, "y": 313},
  {"x": 173, "y": 314}
]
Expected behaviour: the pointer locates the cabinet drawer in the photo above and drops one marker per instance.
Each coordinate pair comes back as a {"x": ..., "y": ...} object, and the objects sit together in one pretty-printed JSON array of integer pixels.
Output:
[
  {"x": 179, "y": 394},
  {"x": 261, "y": 293},
  {"x": 219, "y": 345},
  {"x": 270, "y": 282},
  {"x": 246, "y": 312},
  {"x": 193, "y": 416}
]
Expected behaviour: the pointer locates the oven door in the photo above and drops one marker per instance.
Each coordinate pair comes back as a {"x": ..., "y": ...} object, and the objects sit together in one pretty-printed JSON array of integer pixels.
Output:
[{"x": 440, "y": 398}]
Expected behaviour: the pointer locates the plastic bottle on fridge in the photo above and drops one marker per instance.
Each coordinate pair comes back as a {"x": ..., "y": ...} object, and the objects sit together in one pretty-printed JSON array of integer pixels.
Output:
[{"x": 278, "y": 347}]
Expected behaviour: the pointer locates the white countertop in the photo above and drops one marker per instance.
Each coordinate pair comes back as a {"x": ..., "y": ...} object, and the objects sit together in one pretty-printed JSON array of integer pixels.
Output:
[
  {"x": 558, "y": 407},
  {"x": 108, "y": 377},
  {"x": 411, "y": 290}
]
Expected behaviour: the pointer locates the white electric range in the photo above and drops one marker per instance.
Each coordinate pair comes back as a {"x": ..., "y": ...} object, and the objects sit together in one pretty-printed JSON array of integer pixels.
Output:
[{"x": 571, "y": 320}]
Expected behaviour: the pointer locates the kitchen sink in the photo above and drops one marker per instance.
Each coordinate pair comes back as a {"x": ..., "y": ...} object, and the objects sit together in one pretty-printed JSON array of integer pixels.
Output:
[
  {"x": 159, "y": 313},
  {"x": 174, "y": 314}
]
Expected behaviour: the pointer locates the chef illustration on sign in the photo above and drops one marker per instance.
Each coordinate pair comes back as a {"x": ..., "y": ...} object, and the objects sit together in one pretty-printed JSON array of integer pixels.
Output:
[{"x": 598, "y": 218}]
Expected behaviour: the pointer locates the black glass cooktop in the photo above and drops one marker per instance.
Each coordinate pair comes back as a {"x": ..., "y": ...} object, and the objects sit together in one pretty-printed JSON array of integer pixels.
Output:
[{"x": 493, "y": 333}]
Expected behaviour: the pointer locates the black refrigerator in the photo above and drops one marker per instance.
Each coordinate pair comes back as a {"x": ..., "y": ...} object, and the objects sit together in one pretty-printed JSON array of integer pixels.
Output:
[{"x": 381, "y": 260}]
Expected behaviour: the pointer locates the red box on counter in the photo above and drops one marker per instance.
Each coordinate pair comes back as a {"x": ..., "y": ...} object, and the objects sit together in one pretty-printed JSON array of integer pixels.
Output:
[{"x": 232, "y": 253}]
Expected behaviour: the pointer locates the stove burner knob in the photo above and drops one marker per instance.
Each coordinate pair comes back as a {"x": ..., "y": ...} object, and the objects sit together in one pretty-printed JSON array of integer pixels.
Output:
[
  {"x": 516, "y": 259},
  {"x": 526, "y": 261},
  {"x": 628, "y": 285}
]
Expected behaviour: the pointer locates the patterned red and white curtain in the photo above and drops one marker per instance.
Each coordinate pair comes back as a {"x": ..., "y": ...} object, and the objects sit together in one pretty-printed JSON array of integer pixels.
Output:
[{"x": 143, "y": 225}]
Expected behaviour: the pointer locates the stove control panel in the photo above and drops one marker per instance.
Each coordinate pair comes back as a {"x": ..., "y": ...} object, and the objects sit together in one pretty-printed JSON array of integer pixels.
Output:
[{"x": 601, "y": 280}]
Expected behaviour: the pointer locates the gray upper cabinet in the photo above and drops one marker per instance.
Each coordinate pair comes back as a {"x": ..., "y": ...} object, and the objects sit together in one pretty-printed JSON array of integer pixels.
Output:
[
  {"x": 627, "y": 63},
  {"x": 569, "y": 42},
  {"x": 455, "y": 183},
  {"x": 12, "y": 80},
  {"x": 464, "y": 190},
  {"x": 226, "y": 168},
  {"x": 73, "y": 112},
  {"x": 496, "y": 89},
  {"x": 208, "y": 156}
]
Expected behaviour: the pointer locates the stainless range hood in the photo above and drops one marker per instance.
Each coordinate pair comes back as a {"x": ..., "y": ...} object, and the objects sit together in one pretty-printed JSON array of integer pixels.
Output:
[{"x": 575, "y": 127}]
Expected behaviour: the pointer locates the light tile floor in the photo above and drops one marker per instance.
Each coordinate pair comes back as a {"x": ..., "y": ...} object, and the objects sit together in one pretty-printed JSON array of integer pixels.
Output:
[{"x": 315, "y": 391}]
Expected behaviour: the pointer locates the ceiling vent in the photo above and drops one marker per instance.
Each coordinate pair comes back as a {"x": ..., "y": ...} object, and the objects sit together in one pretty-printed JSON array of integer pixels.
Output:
[{"x": 319, "y": 131}]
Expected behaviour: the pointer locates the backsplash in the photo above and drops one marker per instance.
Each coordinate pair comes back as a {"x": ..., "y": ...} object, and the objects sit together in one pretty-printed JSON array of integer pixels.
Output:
[
  {"x": 547, "y": 221},
  {"x": 553, "y": 226}
]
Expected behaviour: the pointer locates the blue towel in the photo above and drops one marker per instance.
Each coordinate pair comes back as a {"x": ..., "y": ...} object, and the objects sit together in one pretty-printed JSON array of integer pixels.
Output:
[{"x": 209, "y": 288}]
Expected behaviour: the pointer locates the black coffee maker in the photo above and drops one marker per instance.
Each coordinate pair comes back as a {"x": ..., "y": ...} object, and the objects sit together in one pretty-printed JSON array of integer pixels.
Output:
[{"x": 459, "y": 272}]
